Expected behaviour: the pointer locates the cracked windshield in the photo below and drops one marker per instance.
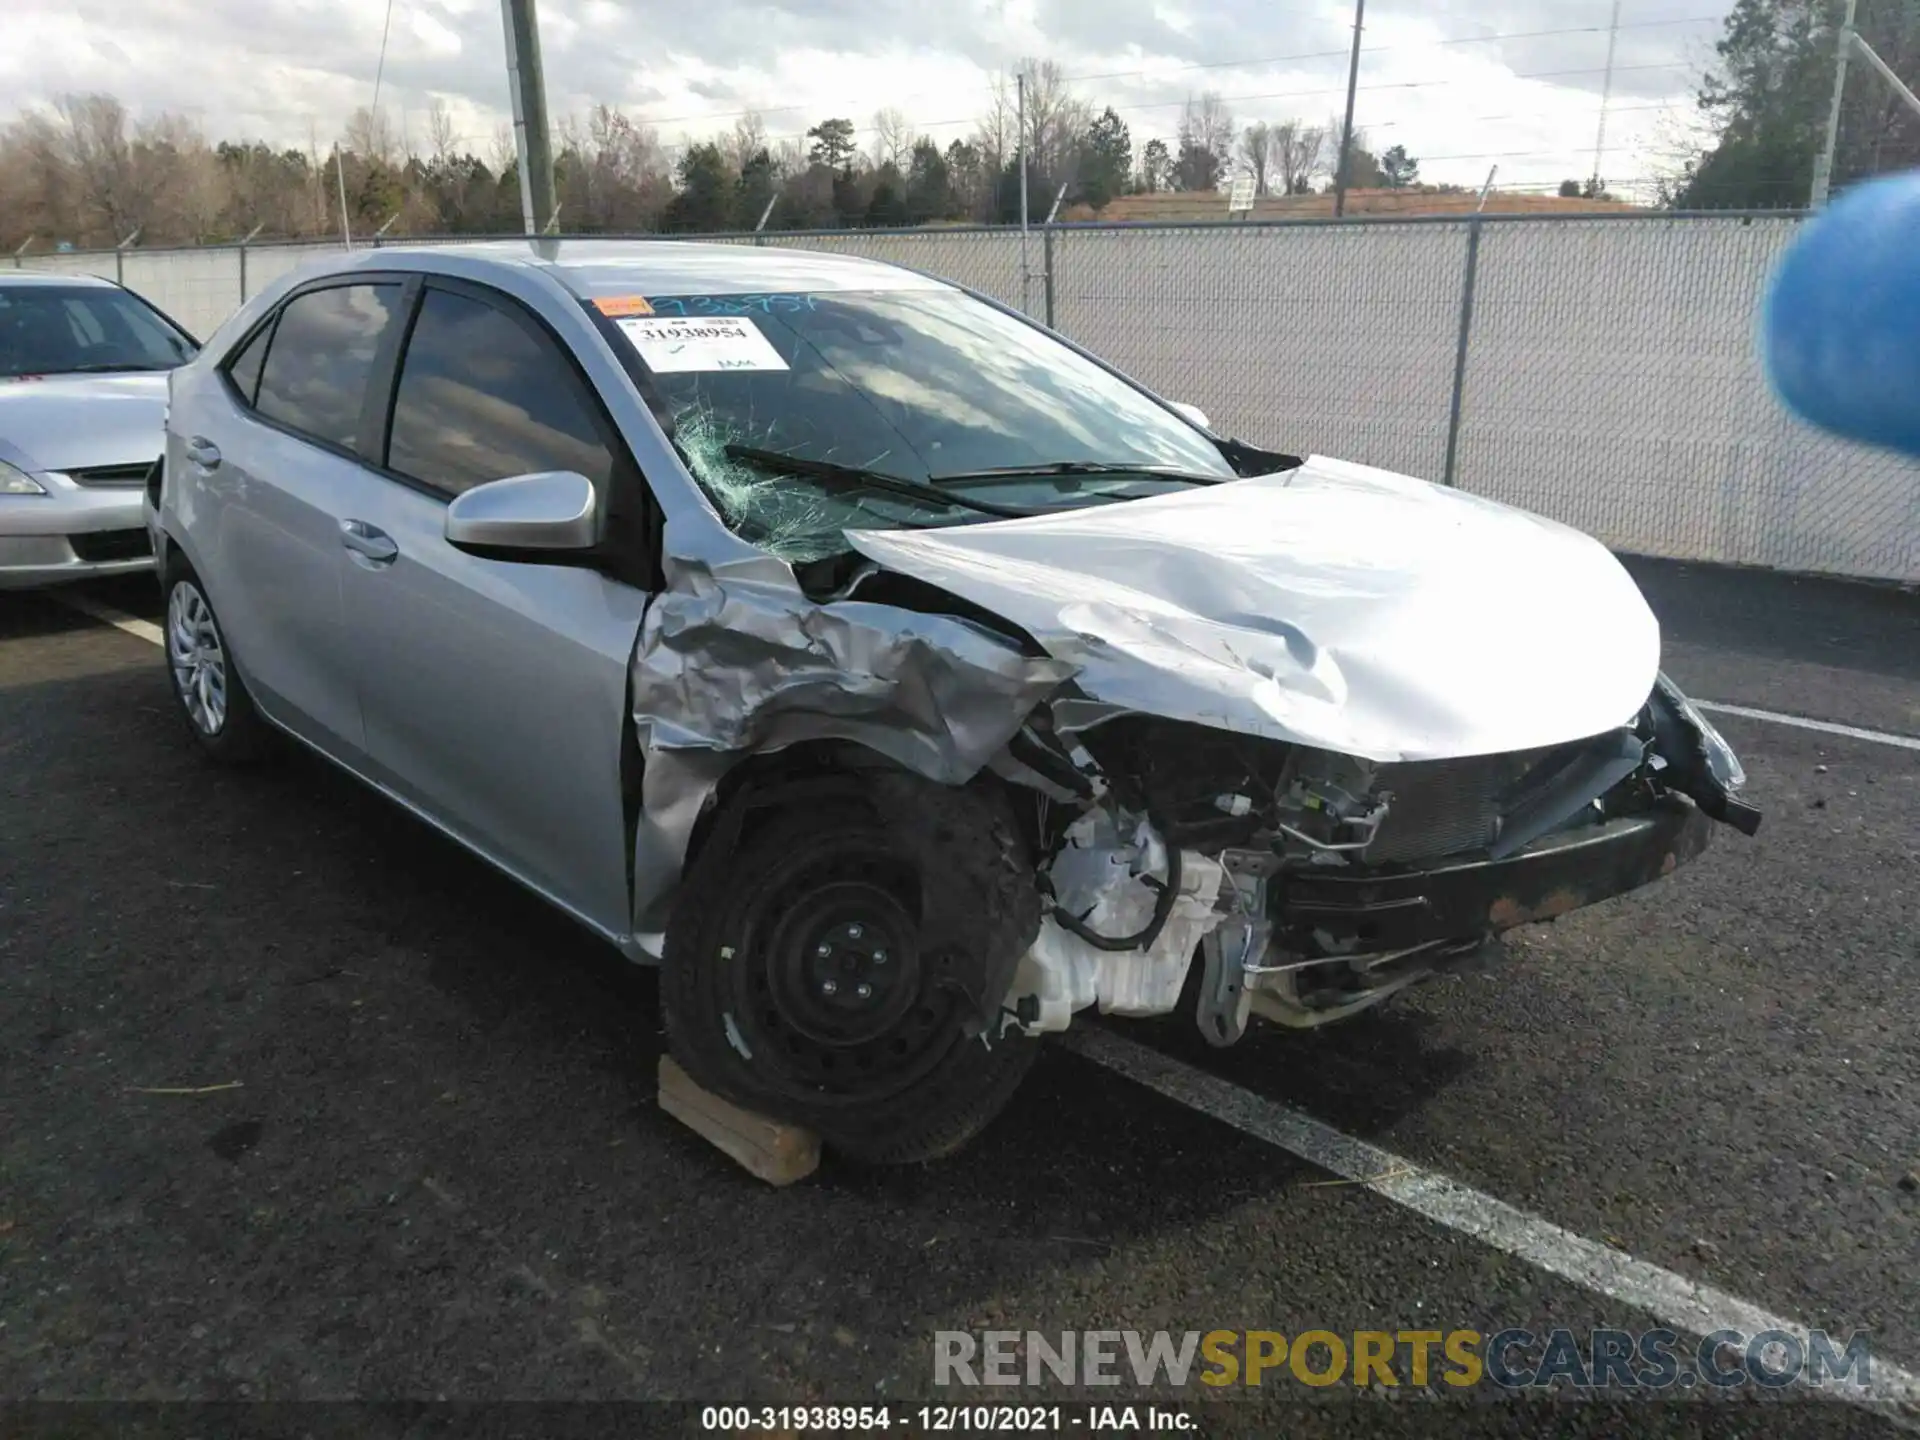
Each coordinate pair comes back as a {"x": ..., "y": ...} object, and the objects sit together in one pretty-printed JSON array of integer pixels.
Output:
[{"x": 805, "y": 415}]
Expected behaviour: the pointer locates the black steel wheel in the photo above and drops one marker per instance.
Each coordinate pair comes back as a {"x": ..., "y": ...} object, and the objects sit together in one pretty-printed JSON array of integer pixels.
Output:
[{"x": 841, "y": 965}]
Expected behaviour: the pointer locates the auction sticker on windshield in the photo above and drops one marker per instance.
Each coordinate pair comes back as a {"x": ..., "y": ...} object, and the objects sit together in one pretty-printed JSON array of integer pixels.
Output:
[{"x": 672, "y": 345}]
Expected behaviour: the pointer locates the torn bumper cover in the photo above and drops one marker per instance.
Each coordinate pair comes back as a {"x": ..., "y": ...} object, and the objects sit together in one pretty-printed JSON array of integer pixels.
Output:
[
  {"x": 1307, "y": 936},
  {"x": 1326, "y": 913}
]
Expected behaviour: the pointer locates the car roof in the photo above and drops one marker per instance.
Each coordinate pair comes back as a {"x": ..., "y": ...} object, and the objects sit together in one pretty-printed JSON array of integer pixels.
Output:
[
  {"x": 30, "y": 279},
  {"x": 596, "y": 269}
]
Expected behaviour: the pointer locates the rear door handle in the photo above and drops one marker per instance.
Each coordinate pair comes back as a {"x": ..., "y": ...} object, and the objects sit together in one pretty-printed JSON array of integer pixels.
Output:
[
  {"x": 204, "y": 453},
  {"x": 368, "y": 540}
]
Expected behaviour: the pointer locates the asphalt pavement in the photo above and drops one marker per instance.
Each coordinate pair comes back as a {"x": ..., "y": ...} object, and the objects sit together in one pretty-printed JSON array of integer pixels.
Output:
[{"x": 423, "y": 1160}]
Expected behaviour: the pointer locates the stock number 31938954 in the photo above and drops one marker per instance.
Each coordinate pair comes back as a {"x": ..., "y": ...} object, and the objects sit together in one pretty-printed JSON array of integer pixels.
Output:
[{"x": 921, "y": 1419}]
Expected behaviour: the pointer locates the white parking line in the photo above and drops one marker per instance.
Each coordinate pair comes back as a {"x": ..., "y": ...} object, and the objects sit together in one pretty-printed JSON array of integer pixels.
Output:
[
  {"x": 120, "y": 620},
  {"x": 1685, "y": 1305},
  {"x": 1673, "y": 1299},
  {"x": 1826, "y": 727}
]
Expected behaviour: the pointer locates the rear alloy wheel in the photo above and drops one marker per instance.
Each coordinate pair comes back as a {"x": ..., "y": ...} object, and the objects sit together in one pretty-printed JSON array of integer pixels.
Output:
[
  {"x": 212, "y": 696},
  {"x": 817, "y": 970}
]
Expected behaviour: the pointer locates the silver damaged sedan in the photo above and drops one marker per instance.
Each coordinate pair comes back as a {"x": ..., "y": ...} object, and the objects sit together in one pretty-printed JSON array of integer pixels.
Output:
[
  {"x": 900, "y": 677},
  {"x": 83, "y": 389}
]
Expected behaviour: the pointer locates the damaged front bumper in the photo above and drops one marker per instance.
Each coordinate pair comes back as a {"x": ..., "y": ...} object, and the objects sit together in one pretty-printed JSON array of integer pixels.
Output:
[
  {"x": 1331, "y": 915},
  {"x": 1310, "y": 946},
  {"x": 1308, "y": 937}
]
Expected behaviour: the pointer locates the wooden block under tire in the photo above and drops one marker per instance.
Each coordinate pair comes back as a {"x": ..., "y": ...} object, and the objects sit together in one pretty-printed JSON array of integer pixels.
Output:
[{"x": 774, "y": 1151}]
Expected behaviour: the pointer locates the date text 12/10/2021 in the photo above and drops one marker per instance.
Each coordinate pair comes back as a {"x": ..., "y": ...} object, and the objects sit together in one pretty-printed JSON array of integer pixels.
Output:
[{"x": 947, "y": 1419}]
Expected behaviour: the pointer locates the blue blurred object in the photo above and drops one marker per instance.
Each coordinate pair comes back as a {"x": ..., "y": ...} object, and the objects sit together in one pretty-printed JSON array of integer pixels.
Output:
[{"x": 1842, "y": 325}]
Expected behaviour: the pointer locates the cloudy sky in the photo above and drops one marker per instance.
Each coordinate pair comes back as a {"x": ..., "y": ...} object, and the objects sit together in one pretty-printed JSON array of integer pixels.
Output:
[{"x": 1462, "y": 85}]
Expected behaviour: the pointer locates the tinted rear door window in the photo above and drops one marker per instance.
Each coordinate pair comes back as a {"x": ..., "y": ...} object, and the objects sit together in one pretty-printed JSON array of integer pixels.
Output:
[
  {"x": 244, "y": 368},
  {"x": 322, "y": 356},
  {"x": 483, "y": 396}
]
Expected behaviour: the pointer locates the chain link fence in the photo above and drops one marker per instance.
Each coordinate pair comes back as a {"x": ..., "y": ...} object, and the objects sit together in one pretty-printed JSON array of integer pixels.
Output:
[
  {"x": 1601, "y": 371},
  {"x": 1612, "y": 382},
  {"x": 1333, "y": 339}
]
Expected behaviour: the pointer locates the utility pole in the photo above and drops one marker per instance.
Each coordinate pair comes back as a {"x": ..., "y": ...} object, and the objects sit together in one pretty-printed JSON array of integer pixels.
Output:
[
  {"x": 1850, "y": 41},
  {"x": 1606, "y": 94},
  {"x": 1020, "y": 151},
  {"x": 528, "y": 83},
  {"x": 340, "y": 175},
  {"x": 1823, "y": 164},
  {"x": 1344, "y": 169}
]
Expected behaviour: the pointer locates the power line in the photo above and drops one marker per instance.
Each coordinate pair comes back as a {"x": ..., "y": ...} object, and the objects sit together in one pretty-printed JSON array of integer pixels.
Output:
[
  {"x": 1268, "y": 95},
  {"x": 924, "y": 125},
  {"x": 1340, "y": 54},
  {"x": 380, "y": 71},
  {"x": 1141, "y": 107},
  {"x": 762, "y": 112},
  {"x": 1401, "y": 85},
  {"x": 1512, "y": 115}
]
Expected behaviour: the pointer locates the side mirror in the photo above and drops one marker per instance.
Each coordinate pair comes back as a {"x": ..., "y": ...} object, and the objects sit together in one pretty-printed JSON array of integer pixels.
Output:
[
  {"x": 526, "y": 517},
  {"x": 1193, "y": 413}
]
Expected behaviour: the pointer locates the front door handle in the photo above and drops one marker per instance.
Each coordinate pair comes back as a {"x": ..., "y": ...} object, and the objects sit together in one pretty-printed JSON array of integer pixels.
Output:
[
  {"x": 204, "y": 453},
  {"x": 369, "y": 541}
]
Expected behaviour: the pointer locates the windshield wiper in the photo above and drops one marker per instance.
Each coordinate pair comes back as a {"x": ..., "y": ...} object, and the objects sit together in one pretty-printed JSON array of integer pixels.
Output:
[
  {"x": 1081, "y": 467},
  {"x": 99, "y": 368},
  {"x": 854, "y": 477}
]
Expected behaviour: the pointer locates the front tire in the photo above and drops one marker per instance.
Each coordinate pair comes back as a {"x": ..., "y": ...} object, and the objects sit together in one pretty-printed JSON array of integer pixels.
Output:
[
  {"x": 841, "y": 963},
  {"x": 211, "y": 696}
]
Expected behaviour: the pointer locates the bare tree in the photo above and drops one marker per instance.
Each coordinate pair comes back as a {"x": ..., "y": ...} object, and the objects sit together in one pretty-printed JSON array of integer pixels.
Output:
[
  {"x": 1212, "y": 122},
  {"x": 1056, "y": 119},
  {"x": 504, "y": 151},
  {"x": 368, "y": 134},
  {"x": 621, "y": 179},
  {"x": 98, "y": 155},
  {"x": 1299, "y": 154},
  {"x": 996, "y": 134},
  {"x": 789, "y": 156},
  {"x": 1057, "y": 122},
  {"x": 178, "y": 180},
  {"x": 747, "y": 139},
  {"x": 1206, "y": 143},
  {"x": 38, "y": 192},
  {"x": 893, "y": 137},
  {"x": 1257, "y": 151},
  {"x": 440, "y": 132},
  {"x": 84, "y": 173},
  {"x": 1363, "y": 166}
]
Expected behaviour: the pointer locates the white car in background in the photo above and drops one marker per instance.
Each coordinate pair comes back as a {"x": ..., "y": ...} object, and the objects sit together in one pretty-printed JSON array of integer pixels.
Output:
[{"x": 83, "y": 398}]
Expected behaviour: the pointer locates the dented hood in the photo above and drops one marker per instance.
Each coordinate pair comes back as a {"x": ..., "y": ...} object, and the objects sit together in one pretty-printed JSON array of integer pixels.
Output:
[{"x": 1333, "y": 605}]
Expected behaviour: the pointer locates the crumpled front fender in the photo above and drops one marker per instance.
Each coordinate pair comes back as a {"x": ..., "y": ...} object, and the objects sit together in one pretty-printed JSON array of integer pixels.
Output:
[{"x": 735, "y": 660}]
